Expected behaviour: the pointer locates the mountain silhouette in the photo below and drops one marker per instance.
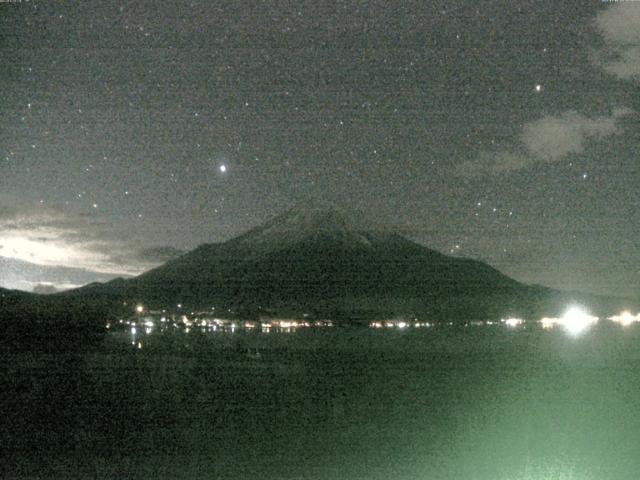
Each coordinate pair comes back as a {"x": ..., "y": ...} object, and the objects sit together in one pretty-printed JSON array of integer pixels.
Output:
[{"x": 320, "y": 260}]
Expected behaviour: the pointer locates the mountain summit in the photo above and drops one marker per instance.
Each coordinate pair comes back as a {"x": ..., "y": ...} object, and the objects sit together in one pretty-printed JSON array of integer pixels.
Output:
[{"x": 312, "y": 218}]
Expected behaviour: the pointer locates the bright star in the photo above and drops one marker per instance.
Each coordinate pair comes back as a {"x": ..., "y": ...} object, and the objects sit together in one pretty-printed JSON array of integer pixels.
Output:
[
  {"x": 223, "y": 168},
  {"x": 538, "y": 88}
]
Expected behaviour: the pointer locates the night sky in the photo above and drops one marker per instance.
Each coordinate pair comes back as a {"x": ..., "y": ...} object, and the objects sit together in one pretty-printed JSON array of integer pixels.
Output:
[{"x": 502, "y": 131}]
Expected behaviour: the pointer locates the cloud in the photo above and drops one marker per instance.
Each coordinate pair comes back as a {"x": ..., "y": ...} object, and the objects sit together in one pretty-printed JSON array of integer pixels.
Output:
[
  {"x": 553, "y": 137},
  {"x": 53, "y": 240},
  {"x": 144, "y": 258},
  {"x": 619, "y": 25},
  {"x": 548, "y": 139},
  {"x": 23, "y": 275},
  {"x": 48, "y": 246},
  {"x": 159, "y": 254}
]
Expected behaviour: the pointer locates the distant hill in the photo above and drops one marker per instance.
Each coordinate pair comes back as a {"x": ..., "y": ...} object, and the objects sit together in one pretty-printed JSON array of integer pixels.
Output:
[
  {"x": 329, "y": 262},
  {"x": 49, "y": 322}
]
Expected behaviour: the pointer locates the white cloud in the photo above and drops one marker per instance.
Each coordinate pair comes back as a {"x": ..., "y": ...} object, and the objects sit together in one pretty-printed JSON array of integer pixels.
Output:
[
  {"x": 551, "y": 138},
  {"x": 56, "y": 239},
  {"x": 554, "y": 137},
  {"x": 548, "y": 139},
  {"x": 620, "y": 23},
  {"x": 49, "y": 246},
  {"x": 620, "y": 28}
]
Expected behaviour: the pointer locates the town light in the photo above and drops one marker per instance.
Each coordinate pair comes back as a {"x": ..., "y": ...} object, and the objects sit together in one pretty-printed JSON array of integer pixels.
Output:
[
  {"x": 625, "y": 318},
  {"x": 513, "y": 322},
  {"x": 576, "y": 320},
  {"x": 548, "y": 322}
]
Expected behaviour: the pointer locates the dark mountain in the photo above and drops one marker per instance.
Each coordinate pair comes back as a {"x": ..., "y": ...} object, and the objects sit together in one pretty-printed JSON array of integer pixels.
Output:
[
  {"x": 325, "y": 261},
  {"x": 318, "y": 260}
]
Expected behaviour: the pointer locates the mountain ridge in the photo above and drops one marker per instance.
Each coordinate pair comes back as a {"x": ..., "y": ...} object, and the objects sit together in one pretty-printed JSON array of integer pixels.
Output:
[
  {"x": 325, "y": 261},
  {"x": 312, "y": 258}
]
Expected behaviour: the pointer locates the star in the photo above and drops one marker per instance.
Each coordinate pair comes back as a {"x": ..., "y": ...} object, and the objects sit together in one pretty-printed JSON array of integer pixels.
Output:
[
  {"x": 538, "y": 88},
  {"x": 223, "y": 168}
]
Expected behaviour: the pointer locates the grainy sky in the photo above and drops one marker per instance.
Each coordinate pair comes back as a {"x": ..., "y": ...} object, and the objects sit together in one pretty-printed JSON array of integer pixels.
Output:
[{"x": 502, "y": 131}]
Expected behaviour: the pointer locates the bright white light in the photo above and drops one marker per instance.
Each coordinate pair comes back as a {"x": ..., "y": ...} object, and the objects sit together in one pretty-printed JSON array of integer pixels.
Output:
[
  {"x": 538, "y": 88},
  {"x": 402, "y": 324},
  {"x": 223, "y": 168},
  {"x": 139, "y": 308},
  {"x": 576, "y": 320},
  {"x": 625, "y": 318},
  {"x": 513, "y": 322}
]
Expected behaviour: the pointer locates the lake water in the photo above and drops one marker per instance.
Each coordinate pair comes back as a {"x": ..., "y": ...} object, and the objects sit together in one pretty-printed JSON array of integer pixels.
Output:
[{"x": 439, "y": 403}]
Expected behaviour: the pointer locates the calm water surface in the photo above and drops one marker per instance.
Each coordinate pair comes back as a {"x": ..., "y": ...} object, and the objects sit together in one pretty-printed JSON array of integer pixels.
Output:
[{"x": 477, "y": 403}]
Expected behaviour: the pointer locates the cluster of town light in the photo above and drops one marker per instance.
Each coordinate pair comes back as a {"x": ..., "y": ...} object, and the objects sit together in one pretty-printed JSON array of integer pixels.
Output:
[
  {"x": 575, "y": 321},
  {"x": 144, "y": 318},
  {"x": 401, "y": 324}
]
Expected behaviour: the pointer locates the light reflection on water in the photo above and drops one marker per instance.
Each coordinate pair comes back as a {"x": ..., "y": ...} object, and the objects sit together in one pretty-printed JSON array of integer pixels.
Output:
[
  {"x": 164, "y": 327},
  {"x": 476, "y": 403},
  {"x": 162, "y": 334}
]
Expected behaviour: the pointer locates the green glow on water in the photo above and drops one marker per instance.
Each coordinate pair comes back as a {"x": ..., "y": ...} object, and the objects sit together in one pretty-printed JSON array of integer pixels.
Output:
[{"x": 476, "y": 404}]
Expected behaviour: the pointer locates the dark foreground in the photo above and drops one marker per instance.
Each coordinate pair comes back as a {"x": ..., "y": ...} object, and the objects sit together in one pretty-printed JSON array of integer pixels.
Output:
[{"x": 479, "y": 403}]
